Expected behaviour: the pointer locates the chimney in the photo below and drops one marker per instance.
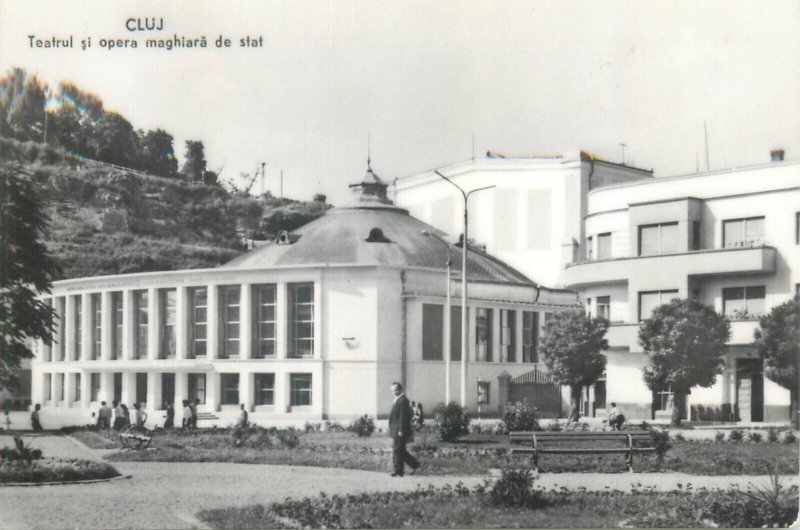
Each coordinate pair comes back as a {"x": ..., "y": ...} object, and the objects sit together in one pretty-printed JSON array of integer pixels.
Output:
[{"x": 776, "y": 155}]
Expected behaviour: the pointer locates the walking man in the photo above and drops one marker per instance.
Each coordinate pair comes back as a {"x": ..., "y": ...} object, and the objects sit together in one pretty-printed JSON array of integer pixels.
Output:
[{"x": 400, "y": 431}]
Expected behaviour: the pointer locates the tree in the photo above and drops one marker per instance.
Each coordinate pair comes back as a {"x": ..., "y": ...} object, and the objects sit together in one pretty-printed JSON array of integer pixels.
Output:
[
  {"x": 114, "y": 140},
  {"x": 685, "y": 342},
  {"x": 73, "y": 125},
  {"x": 778, "y": 343},
  {"x": 572, "y": 347},
  {"x": 156, "y": 154},
  {"x": 27, "y": 270},
  {"x": 195, "y": 166},
  {"x": 22, "y": 102}
]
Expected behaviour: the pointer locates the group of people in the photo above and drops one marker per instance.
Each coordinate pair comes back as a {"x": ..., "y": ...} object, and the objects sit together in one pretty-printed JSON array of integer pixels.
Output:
[{"x": 119, "y": 416}]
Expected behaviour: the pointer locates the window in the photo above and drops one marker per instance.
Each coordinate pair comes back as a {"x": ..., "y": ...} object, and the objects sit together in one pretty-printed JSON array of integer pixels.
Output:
[
  {"x": 530, "y": 336},
  {"x": 604, "y": 307},
  {"x": 168, "y": 300},
  {"x": 264, "y": 299},
  {"x": 301, "y": 320},
  {"x": 589, "y": 248},
  {"x": 658, "y": 239},
  {"x": 651, "y": 299},
  {"x": 483, "y": 392},
  {"x": 743, "y": 232},
  {"x": 743, "y": 302},
  {"x": 116, "y": 316},
  {"x": 168, "y": 388},
  {"x": 197, "y": 387},
  {"x": 76, "y": 387},
  {"x": 141, "y": 387},
  {"x": 60, "y": 328},
  {"x": 432, "y": 326},
  {"x": 604, "y": 246},
  {"x": 198, "y": 314},
  {"x": 696, "y": 243},
  {"x": 117, "y": 387},
  {"x": 60, "y": 386},
  {"x": 264, "y": 389},
  {"x": 229, "y": 323},
  {"x": 508, "y": 335},
  {"x": 78, "y": 326},
  {"x": 94, "y": 387},
  {"x": 455, "y": 332},
  {"x": 300, "y": 390},
  {"x": 48, "y": 387},
  {"x": 97, "y": 327},
  {"x": 230, "y": 389},
  {"x": 483, "y": 334},
  {"x": 140, "y": 305}
]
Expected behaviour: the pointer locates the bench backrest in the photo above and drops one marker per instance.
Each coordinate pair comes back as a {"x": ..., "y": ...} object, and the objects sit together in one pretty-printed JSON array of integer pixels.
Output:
[{"x": 561, "y": 436}]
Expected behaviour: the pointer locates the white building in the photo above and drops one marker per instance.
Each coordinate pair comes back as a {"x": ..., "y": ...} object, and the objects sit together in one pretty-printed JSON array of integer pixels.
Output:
[{"x": 313, "y": 326}]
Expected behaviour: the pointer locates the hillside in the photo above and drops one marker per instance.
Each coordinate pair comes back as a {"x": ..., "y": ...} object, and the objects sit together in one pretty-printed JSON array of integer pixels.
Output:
[{"x": 105, "y": 220}]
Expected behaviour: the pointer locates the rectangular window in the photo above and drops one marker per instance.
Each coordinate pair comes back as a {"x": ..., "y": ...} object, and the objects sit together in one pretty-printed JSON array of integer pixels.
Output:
[
  {"x": 589, "y": 248},
  {"x": 167, "y": 388},
  {"x": 229, "y": 384},
  {"x": 743, "y": 302},
  {"x": 229, "y": 321},
  {"x": 743, "y": 232},
  {"x": 432, "y": 326},
  {"x": 604, "y": 246},
  {"x": 76, "y": 387},
  {"x": 483, "y": 392},
  {"x": 604, "y": 307},
  {"x": 483, "y": 334},
  {"x": 198, "y": 315},
  {"x": 264, "y": 389},
  {"x": 97, "y": 327},
  {"x": 94, "y": 387},
  {"x": 301, "y": 320},
  {"x": 649, "y": 300},
  {"x": 117, "y": 387},
  {"x": 78, "y": 326},
  {"x": 264, "y": 310},
  {"x": 60, "y": 386},
  {"x": 168, "y": 302},
  {"x": 530, "y": 336},
  {"x": 508, "y": 335},
  {"x": 48, "y": 387},
  {"x": 141, "y": 387},
  {"x": 140, "y": 310},
  {"x": 197, "y": 387},
  {"x": 455, "y": 332},
  {"x": 300, "y": 390},
  {"x": 116, "y": 317},
  {"x": 658, "y": 239}
]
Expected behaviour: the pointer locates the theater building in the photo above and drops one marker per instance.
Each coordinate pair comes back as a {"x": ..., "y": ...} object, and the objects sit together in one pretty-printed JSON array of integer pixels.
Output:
[{"x": 313, "y": 326}]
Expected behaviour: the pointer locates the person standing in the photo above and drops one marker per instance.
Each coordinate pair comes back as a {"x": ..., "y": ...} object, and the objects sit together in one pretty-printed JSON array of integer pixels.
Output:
[
  {"x": 242, "y": 417},
  {"x": 119, "y": 415},
  {"x": 104, "y": 416},
  {"x": 400, "y": 431},
  {"x": 126, "y": 415},
  {"x": 193, "y": 406},
  {"x": 187, "y": 414},
  {"x": 141, "y": 415},
  {"x": 169, "y": 423},
  {"x": 35, "y": 423}
]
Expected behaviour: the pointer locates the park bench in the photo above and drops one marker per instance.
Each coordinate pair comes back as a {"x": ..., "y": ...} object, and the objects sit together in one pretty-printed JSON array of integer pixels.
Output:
[
  {"x": 135, "y": 438},
  {"x": 535, "y": 443}
]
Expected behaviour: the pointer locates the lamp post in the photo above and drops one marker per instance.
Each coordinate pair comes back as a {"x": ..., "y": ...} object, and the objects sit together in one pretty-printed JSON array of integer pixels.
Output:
[
  {"x": 447, "y": 353},
  {"x": 464, "y": 334}
]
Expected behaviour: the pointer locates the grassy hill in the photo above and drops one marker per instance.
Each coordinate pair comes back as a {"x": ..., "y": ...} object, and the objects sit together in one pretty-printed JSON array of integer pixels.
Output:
[{"x": 106, "y": 220}]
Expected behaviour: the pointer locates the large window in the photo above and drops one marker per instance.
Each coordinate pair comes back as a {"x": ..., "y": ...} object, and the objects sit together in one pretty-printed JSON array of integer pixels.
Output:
[
  {"x": 604, "y": 246},
  {"x": 168, "y": 300},
  {"x": 649, "y": 300},
  {"x": 264, "y": 299},
  {"x": 264, "y": 389},
  {"x": 97, "y": 327},
  {"x": 76, "y": 387},
  {"x": 743, "y": 302},
  {"x": 299, "y": 390},
  {"x": 229, "y": 321},
  {"x": 198, "y": 315},
  {"x": 301, "y": 319},
  {"x": 483, "y": 334},
  {"x": 167, "y": 388},
  {"x": 48, "y": 387},
  {"x": 604, "y": 307},
  {"x": 658, "y": 239},
  {"x": 197, "y": 387},
  {"x": 140, "y": 310},
  {"x": 141, "y": 387},
  {"x": 78, "y": 326},
  {"x": 508, "y": 335},
  {"x": 455, "y": 332},
  {"x": 229, "y": 384},
  {"x": 116, "y": 317},
  {"x": 94, "y": 387},
  {"x": 530, "y": 336},
  {"x": 432, "y": 322},
  {"x": 743, "y": 232}
]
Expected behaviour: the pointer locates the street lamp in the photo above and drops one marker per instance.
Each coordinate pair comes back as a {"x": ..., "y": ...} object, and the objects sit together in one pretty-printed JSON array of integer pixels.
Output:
[
  {"x": 464, "y": 334},
  {"x": 447, "y": 353}
]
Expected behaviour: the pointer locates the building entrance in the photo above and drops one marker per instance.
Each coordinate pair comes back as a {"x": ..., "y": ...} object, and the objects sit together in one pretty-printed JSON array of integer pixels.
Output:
[{"x": 750, "y": 389}]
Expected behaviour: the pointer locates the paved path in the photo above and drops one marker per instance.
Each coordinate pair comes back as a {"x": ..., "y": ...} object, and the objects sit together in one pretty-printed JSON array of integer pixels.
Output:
[{"x": 169, "y": 495}]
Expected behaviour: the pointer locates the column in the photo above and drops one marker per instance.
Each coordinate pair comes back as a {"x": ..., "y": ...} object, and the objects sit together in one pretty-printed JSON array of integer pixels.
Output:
[
  {"x": 87, "y": 330},
  {"x": 86, "y": 389},
  {"x": 128, "y": 388},
  {"x": 107, "y": 330},
  {"x": 212, "y": 391},
  {"x": 153, "y": 329},
  {"x": 57, "y": 380},
  {"x": 106, "y": 387},
  {"x": 246, "y": 380},
  {"x": 69, "y": 328},
  {"x": 181, "y": 393},
  {"x": 57, "y": 350},
  {"x": 281, "y": 392},
  {"x": 181, "y": 328},
  {"x": 518, "y": 337},
  {"x": 498, "y": 355},
  {"x": 246, "y": 321},
  {"x": 154, "y": 391},
  {"x": 281, "y": 322},
  {"x": 69, "y": 388},
  {"x": 212, "y": 322},
  {"x": 127, "y": 327}
]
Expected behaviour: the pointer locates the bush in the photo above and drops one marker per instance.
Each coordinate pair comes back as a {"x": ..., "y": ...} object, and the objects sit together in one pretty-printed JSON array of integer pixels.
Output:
[
  {"x": 754, "y": 436},
  {"x": 554, "y": 426},
  {"x": 736, "y": 435},
  {"x": 363, "y": 426},
  {"x": 679, "y": 437},
  {"x": 719, "y": 436},
  {"x": 772, "y": 435},
  {"x": 20, "y": 452},
  {"x": 476, "y": 428},
  {"x": 333, "y": 426},
  {"x": 659, "y": 439},
  {"x": 790, "y": 438},
  {"x": 452, "y": 421},
  {"x": 521, "y": 417},
  {"x": 770, "y": 506},
  {"x": 515, "y": 489}
]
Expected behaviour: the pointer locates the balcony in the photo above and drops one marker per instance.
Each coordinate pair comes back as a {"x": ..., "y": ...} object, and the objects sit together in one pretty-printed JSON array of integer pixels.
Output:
[
  {"x": 699, "y": 263},
  {"x": 742, "y": 331},
  {"x": 627, "y": 335}
]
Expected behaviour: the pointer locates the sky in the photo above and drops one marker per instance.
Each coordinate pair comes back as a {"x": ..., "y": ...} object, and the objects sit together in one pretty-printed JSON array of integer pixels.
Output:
[{"x": 421, "y": 79}]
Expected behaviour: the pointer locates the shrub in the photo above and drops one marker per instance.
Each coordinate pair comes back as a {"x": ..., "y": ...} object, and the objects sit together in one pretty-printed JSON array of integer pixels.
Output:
[
  {"x": 719, "y": 436},
  {"x": 476, "y": 428},
  {"x": 772, "y": 435},
  {"x": 521, "y": 417},
  {"x": 452, "y": 421},
  {"x": 790, "y": 438},
  {"x": 288, "y": 438},
  {"x": 770, "y": 506},
  {"x": 754, "y": 436},
  {"x": 20, "y": 451},
  {"x": 679, "y": 437},
  {"x": 736, "y": 435},
  {"x": 554, "y": 426},
  {"x": 659, "y": 439},
  {"x": 333, "y": 426},
  {"x": 515, "y": 488},
  {"x": 363, "y": 426}
]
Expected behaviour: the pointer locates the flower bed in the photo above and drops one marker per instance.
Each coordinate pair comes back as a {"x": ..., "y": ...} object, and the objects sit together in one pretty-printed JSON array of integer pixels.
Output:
[{"x": 53, "y": 470}]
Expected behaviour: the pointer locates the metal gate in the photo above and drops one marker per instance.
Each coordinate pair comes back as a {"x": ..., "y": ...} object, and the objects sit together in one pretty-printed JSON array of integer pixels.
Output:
[{"x": 540, "y": 391}]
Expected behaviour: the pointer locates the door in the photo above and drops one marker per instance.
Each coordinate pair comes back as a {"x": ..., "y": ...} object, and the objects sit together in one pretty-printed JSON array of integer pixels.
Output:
[
  {"x": 743, "y": 394},
  {"x": 750, "y": 389}
]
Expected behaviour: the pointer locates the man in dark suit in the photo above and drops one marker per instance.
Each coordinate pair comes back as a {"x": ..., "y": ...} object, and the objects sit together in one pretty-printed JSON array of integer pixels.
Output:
[{"x": 400, "y": 431}]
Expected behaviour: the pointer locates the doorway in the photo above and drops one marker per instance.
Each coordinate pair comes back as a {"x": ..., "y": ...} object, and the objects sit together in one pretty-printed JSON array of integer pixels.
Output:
[{"x": 750, "y": 389}]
